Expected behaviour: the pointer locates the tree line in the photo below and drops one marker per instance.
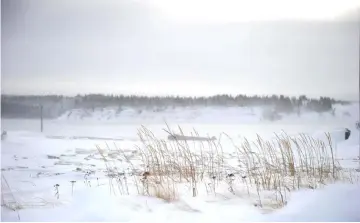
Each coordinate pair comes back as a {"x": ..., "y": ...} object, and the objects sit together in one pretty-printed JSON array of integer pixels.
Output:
[{"x": 15, "y": 106}]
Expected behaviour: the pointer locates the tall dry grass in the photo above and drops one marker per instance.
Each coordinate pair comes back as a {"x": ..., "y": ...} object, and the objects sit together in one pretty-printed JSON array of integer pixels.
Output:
[{"x": 267, "y": 169}]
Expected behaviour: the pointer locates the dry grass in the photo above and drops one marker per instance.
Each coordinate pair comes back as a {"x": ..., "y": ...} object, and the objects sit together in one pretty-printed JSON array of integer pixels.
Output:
[
  {"x": 9, "y": 200},
  {"x": 267, "y": 169}
]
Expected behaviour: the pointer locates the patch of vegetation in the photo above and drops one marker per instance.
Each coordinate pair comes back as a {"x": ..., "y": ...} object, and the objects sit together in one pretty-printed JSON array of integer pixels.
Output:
[
  {"x": 266, "y": 170},
  {"x": 14, "y": 106}
]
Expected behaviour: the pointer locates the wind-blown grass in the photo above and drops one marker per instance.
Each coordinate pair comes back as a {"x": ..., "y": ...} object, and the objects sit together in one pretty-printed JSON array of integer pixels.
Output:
[{"x": 265, "y": 170}]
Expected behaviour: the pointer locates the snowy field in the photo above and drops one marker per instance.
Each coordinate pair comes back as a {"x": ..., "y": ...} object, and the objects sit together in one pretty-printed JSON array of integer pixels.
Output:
[{"x": 95, "y": 167}]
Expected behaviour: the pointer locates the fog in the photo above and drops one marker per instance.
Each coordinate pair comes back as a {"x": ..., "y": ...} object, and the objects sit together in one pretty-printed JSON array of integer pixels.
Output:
[{"x": 133, "y": 47}]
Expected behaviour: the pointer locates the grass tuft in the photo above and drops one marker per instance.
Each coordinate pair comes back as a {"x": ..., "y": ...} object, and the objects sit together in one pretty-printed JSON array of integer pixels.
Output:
[{"x": 266, "y": 170}]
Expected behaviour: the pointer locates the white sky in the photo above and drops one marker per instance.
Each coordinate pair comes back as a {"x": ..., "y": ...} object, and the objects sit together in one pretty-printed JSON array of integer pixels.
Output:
[
  {"x": 185, "y": 47},
  {"x": 220, "y": 11}
]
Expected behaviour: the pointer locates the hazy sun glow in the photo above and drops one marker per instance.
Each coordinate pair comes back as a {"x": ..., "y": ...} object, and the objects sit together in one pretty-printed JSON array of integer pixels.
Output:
[
  {"x": 180, "y": 47},
  {"x": 253, "y": 10}
]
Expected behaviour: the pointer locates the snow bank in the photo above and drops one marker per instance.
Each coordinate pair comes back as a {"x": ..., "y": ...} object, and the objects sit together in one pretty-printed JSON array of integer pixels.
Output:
[{"x": 338, "y": 202}]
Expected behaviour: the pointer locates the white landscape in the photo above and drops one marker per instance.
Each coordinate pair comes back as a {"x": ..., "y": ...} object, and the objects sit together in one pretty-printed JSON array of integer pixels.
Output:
[
  {"x": 180, "y": 111},
  {"x": 109, "y": 166}
]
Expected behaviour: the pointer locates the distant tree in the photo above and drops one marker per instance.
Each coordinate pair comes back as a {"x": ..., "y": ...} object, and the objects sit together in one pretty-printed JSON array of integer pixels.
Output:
[{"x": 23, "y": 106}]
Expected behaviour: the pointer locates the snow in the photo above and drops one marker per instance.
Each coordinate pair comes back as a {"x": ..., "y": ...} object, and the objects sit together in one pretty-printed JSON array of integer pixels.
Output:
[
  {"x": 338, "y": 202},
  {"x": 33, "y": 163},
  {"x": 202, "y": 115}
]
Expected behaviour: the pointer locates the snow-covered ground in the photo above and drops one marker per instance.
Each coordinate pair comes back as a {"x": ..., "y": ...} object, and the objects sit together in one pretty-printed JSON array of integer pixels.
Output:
[
  {"x": 199, "y": 115},
  {"x": 60, "y": 175}
]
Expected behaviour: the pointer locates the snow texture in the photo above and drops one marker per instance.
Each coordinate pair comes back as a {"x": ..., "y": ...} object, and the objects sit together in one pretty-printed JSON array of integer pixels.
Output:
[{"x": 33, "y": 163}]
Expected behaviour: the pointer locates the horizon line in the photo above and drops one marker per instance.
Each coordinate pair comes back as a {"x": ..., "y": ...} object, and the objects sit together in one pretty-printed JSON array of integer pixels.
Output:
[{"x": 178, "y": 95}]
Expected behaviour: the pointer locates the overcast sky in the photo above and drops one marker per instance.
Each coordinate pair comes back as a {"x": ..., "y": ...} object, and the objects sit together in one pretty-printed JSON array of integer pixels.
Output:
[{"x": 196, "y": 47}]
